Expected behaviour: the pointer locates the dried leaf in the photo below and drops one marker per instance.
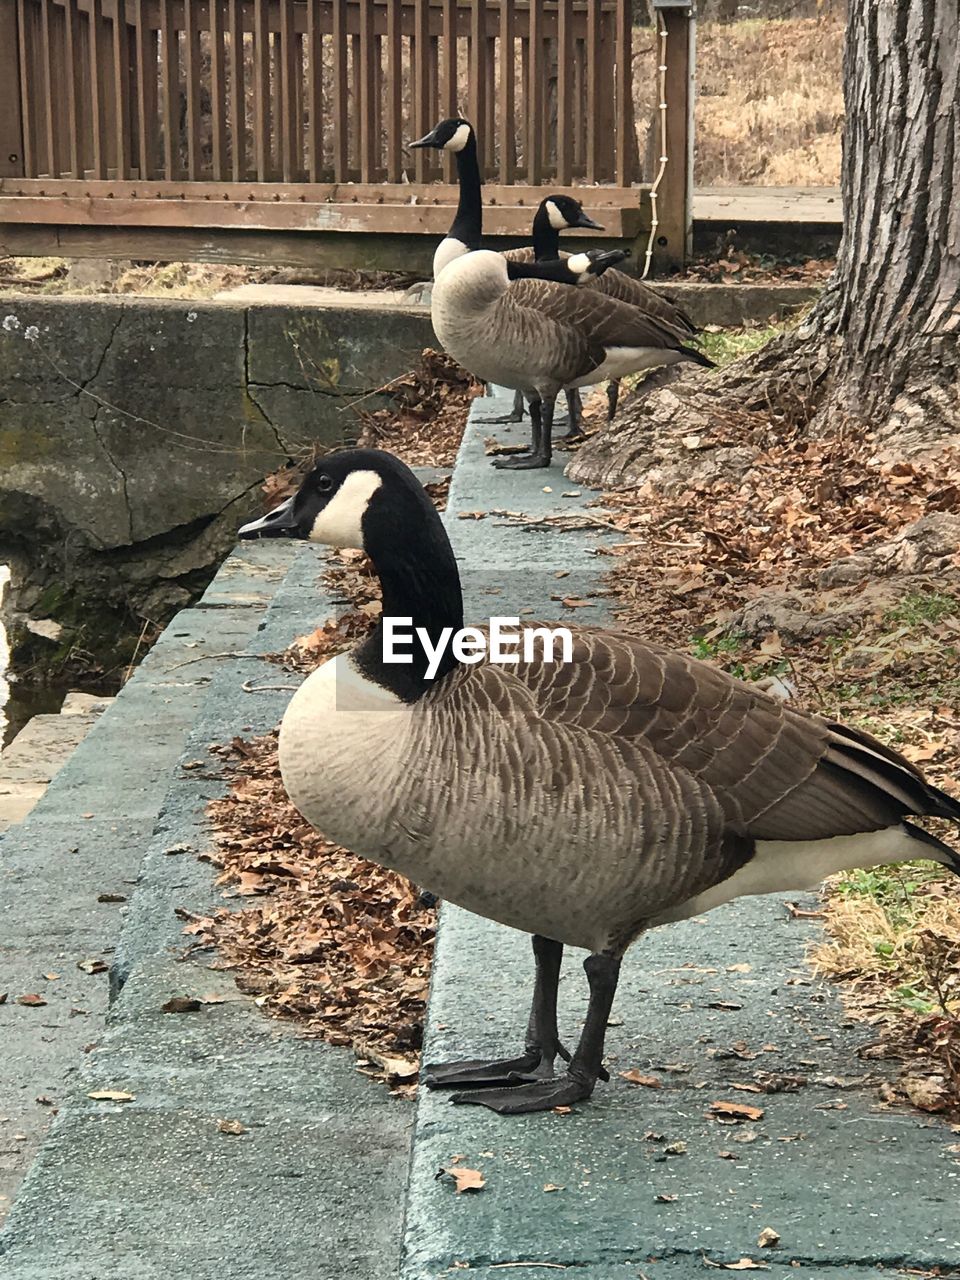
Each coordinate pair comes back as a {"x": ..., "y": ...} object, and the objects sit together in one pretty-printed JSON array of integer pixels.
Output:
[
  {"x": 633, "y": 1076},
  {"x": 551, "y": 1186},
  {"x": 735, "y": 1111},
  {"x": 31, "y": 1000},
  {"x": 111, "y": 1095},
  {"x": 768, "y": 1238},
  {"x": 93, "y": 966},
  {"x": 465, "y": 1179},
  {"x": 665, "y": 1197},
  {"x": 232, "y": 1126}
]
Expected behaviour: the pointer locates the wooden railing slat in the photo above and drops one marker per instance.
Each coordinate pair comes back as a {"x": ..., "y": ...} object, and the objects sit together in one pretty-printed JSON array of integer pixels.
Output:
[
  {"x": 145, "y": 62},
  {"x": 218, "y": 89},
  {"x": 170, "y": 84},
  {"x": 394, "y": 91},
  {"x": 121, "y": 90},
  {"x": 626, "y": 138},
  {"x": 97, "y": 109},
  {"x": 420, "y": 83},
  {"x": 507, "y": 95},
  {"x": 368, "y": 89},
  {"x": 478, "y": 76},
  {"x": 340, "y": 104},
  {"x": 315, "y": 90},
  {"x": 450, "y": 97},
  {"x": 238, "y": 108},
  {"x": 191, "y": 68},
  {"x": 51, "y": 86},
  {"x": 286, "y": 76},
  {"x": 25, "y": 41},
  {"x": 593, "y": 108},
  {"x": 566, "y": 106},
  {"x": 534, "y": 108},
  {"x": 73, "y": 83},
  {"x": 261, "y": 90}
]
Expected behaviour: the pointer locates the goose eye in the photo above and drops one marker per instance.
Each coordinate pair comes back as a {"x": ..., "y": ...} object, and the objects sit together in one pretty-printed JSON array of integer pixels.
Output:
[{"x": 324, "y": 482}]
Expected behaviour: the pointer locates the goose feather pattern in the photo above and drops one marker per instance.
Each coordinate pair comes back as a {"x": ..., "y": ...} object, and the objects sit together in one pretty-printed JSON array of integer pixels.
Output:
[
  {"x": 589, "y": 800},
  {"x": 537, "y": 335}
]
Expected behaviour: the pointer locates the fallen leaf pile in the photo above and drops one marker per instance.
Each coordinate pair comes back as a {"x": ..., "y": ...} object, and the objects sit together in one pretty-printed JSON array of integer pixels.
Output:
[
  {"x": 324, "y": 937},
  {"x": 425, "y": 424},
  {"x": 828, "y": 571},
  {"x": 730, "y": 265}
]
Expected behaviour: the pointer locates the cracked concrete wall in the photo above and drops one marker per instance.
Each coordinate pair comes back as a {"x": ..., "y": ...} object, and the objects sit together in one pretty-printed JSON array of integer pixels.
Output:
[{"x": 134, "y": 433}]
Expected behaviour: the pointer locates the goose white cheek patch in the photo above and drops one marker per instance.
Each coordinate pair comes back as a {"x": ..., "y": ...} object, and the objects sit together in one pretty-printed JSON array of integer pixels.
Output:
[
  {"x": 339, "y": 524},
  {"x": 459, "y": 139},
  {"x": 557, "y": 220},
  {"x": 578, "y": 263}
]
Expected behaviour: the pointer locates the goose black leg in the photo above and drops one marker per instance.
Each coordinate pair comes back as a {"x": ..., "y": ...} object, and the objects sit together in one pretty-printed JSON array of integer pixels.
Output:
[
  {"x": 586, "y": 1067},
  {"x": 542, "y": 440},
  {"x": 574, "y": 416},
  {"x": 515, "y": 414},
  {"x": 542, "y": 1042},
  {"x": 613, "y": 395}
]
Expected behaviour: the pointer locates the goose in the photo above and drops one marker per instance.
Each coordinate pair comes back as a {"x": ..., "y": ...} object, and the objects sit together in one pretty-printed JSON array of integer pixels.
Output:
[
  {"x": 583, "y": 802},
  {"x": 457, "y": 136},
  {"x": 562, "y": 212},
  {"x": 510, "y": 323}
]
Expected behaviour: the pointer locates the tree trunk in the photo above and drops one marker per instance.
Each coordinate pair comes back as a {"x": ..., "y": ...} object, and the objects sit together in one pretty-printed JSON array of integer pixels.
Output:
[{"x": 880, "y": 349}]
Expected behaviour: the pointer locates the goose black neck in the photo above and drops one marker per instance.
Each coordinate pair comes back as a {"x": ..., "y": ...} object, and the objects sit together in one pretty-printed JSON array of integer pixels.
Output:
[
  {"x": 468, "y": 223},
  {"x": 546, "y": 238},
  {"x": 419, "y": 580}
]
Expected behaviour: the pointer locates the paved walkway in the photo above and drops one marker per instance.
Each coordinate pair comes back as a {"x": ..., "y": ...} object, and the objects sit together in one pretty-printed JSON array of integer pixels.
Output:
[{"x": 640, "y": 1182}]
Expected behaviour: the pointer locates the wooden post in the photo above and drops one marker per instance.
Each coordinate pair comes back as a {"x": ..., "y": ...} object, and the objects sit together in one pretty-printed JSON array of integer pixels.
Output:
[
  {"x": 11, "y": 131},
  {"x": 675, "y": 194}
]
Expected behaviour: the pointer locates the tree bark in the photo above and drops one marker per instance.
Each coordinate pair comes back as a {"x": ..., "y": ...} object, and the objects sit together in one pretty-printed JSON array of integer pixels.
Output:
[{"x": 880, "y": 349}]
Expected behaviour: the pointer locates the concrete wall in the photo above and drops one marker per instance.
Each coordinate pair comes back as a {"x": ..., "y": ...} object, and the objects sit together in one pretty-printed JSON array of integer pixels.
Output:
[{"x": 134, "y": 434}]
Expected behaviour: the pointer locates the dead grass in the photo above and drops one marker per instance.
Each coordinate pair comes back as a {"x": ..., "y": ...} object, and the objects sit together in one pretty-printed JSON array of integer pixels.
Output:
[{"x": 769, "y": 101}]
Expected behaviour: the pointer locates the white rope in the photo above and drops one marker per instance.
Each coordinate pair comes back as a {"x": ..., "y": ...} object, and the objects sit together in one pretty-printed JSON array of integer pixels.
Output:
[{"x": 662, "y": 89}]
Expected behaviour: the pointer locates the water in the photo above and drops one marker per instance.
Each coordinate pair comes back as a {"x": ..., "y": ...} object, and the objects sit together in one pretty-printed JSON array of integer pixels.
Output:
[{"x": 20, "y": 702}]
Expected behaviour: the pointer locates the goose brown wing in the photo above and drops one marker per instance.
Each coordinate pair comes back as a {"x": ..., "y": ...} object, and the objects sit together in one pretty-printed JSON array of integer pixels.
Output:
[{"x": 774, "y": 772}]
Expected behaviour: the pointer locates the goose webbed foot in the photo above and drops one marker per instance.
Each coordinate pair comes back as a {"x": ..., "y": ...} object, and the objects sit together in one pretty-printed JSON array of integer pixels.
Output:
[
  {"x": 522, "y": 461},
  {"x": 542, "y": 1095},
  {"x": 533, "y": 1065}
]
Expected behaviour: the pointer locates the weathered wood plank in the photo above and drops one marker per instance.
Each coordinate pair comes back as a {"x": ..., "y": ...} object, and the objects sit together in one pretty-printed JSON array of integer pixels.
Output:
[
  {"x": 674, "y": 194},
  {"x": 51, "y": 90},
  {"x": 266, "y": 215},
  {"x": 623, "y": 88}
]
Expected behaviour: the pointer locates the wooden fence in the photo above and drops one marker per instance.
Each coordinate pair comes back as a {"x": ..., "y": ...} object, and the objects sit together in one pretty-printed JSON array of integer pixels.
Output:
[{"x": 258, "y": 101}]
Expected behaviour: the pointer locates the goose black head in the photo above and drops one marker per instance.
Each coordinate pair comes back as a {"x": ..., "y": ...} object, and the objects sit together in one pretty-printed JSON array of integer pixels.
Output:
[
  {"x": 358, "y": 498},
  {"x": 564, "y": 212},
  {"x": 448, "y": 135}
]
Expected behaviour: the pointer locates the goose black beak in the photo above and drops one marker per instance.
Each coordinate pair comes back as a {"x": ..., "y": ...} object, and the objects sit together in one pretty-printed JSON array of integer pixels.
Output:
[
  {"x": 428, "y": 140},
  {"x": 586, "y": 221},
  {"x": 278, "y": 523}
]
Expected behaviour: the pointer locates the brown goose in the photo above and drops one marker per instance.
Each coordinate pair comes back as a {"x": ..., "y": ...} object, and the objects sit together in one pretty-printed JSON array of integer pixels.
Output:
[
  {"x": 562, "y": 213},
  {"x": 539, "y": 338},
  {"x": 584, "y": 801}
]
